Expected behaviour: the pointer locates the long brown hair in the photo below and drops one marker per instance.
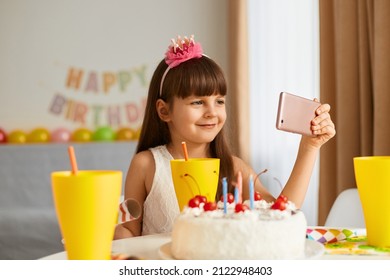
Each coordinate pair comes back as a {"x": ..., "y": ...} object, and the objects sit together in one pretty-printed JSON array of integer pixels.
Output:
[{"x": 197, "y": 76}]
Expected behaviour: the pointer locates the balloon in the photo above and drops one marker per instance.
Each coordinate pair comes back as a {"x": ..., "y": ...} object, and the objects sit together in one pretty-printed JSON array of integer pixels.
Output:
[
  {"x": 3, "y": 136},
  {"x": 137, "y": 134},
  {"x": 38, "y": 135},
  {"x": 125, "y": 134},
  {"x": 17, "y": 137},
  {"x": 104, "y": 133},
  {"x": 60, "y": 135},
  {"x": 82, "y": 135}
]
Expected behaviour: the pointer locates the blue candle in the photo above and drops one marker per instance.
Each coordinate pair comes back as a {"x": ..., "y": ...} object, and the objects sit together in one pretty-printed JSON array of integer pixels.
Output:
[
  {"x": 224, "y": 190},
  {"x": 236, "y": 194},
  {"x": 251, "y": 191}
]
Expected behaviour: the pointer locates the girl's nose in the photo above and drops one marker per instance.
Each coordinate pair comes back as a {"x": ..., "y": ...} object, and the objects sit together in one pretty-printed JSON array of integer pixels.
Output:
[{"x": 210, "y": 111}]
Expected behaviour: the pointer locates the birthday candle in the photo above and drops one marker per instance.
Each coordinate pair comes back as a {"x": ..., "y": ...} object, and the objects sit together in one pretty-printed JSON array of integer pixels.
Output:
[
  {"x": 251, "y": 191},
  {"x": 239, "y": 186},
  {"x": 224, "y": 191},
  {"x": 236, "y": 191}
]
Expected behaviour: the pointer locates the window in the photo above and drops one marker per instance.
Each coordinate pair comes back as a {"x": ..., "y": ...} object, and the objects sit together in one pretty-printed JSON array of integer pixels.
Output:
[{"x": 284, "y": 56}]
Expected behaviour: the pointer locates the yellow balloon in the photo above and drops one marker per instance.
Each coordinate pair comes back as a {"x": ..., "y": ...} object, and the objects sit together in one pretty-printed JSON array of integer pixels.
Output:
[
  {"x": 82, "y": 135},
  {"x": 125, "y": 134},
  {"x": 17, "y": 137},
  {"x": 137, "y": 134},
  {"x": 39, "y": 135}
]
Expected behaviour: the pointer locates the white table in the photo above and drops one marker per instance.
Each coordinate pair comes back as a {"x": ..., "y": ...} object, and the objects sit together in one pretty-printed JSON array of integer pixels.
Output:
[
  {"x": 144, "y": 247},
  {"x": 147, "y": 248}
]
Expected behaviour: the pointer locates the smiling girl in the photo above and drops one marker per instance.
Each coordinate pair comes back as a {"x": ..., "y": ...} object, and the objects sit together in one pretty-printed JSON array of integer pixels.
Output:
[{"x": 186, "y": 103}]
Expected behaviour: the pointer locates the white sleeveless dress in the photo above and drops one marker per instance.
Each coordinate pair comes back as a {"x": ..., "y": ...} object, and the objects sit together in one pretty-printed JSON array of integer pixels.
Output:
[{"x": 160, "y": 206}]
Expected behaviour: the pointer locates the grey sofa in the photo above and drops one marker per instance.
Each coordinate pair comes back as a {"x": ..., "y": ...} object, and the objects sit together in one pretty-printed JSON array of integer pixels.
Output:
[{"x": 28, "y": 223}]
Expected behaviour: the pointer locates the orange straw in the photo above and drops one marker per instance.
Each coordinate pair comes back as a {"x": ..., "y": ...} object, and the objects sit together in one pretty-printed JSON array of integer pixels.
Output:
[
  {"x": 73, "y": 161},
  {"x": 183, "y": 144}
]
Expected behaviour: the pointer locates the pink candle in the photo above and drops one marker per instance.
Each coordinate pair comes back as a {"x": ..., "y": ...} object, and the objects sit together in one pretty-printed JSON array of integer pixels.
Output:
[{"x": 239, "y": 186}]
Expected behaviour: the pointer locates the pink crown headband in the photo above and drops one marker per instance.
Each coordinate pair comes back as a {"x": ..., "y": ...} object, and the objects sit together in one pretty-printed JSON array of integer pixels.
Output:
[{"x": 180, "y": 50}]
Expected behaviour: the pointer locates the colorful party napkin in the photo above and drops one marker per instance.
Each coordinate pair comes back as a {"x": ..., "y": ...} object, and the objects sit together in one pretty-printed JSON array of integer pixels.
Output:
[
  {"x": 354, "y": 246},
  {"x": 339, "y": 241},
  {"x": 329, "y": 235}
]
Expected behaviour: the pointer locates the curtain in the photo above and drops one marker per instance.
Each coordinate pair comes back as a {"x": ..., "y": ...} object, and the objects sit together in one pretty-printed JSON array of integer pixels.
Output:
[
  {"x": 355, "y": 80},
  {"x": 238, "y": 82}
]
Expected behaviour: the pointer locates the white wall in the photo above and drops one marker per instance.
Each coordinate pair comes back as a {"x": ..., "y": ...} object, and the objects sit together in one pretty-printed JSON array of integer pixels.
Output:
[
  {"x": 284, "y": 56},
  {"x": 42, "y": 40}
]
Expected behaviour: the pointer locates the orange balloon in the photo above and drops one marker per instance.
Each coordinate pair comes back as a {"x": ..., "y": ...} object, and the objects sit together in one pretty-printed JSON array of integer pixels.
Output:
[
  {"x": 39, "y": 135},
  {"x": 17, "y": 137},
  {"x": 125, "y": 134},
  {"x": 82, "y": 135}
]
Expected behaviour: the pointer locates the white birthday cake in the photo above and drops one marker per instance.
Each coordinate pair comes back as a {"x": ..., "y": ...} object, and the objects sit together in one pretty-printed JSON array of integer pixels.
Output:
[{"x": 209, "y": 230}]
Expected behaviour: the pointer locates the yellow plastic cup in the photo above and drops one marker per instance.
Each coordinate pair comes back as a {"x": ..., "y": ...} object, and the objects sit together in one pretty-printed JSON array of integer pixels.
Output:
[
  {"x": 372, "y": 176},
  {"x": 197, "y": 176},
  {"x": 87, "y": 209}
]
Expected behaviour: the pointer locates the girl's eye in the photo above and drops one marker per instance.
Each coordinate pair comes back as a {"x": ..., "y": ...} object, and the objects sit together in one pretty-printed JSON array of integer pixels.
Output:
[
  {"x": 221, "y": 101},
  {"x": 198, "y": 102}
]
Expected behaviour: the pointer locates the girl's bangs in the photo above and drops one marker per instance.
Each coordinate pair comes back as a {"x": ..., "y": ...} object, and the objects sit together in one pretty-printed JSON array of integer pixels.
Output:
[{"x": 200, "y": 77}]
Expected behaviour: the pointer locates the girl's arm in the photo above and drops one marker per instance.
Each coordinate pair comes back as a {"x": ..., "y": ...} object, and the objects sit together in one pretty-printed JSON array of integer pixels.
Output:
[
  {"x": 139, "y": 175},
  {"x": 297, "y": 184},
  {"x": 324, "y": 129}
]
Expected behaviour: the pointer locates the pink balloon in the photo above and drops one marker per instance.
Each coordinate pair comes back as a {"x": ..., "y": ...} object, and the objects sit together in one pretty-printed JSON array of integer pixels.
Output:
[
  {"x": 60, "y": 135},
  {"x": 3, "y": 136}
]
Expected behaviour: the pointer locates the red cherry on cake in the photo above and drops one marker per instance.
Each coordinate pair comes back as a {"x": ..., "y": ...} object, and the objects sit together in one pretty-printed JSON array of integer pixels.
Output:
[
  {"x": 241, "y": 208},
  {"x": 256, "y": 196},
  {"x": 201, "y": 198},
  {"x": 279, "y": 204},
  {"x": 210, "y": 206},
  {"x": 194, "y": 202},
  {"x": 230, "y": 198},
  {"x": 283, "y": 197}
]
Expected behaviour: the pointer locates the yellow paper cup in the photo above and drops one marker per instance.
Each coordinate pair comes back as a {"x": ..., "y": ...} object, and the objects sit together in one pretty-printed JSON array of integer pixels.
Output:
[
  {"x": 87, "y": 209},
  {"x": 372, "y": 176},
  {"x": 197, "y": 176}
]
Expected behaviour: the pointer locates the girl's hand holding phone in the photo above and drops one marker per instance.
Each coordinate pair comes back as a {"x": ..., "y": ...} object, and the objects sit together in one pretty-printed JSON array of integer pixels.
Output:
[
  {"x": 322, "y": 127},
  {"x": 306, "y": 117}
]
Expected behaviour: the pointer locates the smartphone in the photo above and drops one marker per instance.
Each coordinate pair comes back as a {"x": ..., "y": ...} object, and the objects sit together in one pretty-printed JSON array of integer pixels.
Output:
[{"x": 295, "y": 113}]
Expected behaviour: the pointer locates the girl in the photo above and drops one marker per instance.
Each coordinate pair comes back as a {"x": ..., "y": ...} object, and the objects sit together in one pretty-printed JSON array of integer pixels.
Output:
[{"x": 186, "y": 102}]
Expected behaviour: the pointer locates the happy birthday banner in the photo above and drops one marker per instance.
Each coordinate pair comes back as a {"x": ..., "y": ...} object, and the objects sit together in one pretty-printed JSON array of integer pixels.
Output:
[
  {"x": 60, "y": 76},
  {"x": 91, "y": 84}
]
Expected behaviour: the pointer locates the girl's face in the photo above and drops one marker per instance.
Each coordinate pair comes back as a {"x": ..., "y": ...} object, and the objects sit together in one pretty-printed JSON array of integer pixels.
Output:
[{"x": 197, "y": 119}]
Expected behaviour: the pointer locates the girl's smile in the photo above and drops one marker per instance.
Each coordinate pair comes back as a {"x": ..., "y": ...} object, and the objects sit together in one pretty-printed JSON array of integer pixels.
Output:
[{"x": 211, "y": 125}]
